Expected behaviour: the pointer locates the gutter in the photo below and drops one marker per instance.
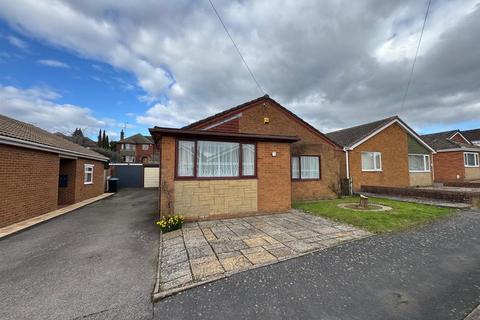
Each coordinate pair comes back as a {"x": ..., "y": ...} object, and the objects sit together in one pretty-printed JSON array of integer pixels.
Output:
[{"x": 43, "y": 147}]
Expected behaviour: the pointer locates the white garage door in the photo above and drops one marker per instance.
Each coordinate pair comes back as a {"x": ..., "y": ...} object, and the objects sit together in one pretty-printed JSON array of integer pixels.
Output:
[{"x": 151, "y": 177}]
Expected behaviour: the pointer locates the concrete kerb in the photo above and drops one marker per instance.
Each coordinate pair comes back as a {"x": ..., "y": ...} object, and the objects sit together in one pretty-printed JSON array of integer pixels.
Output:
[{"x": 157, "y": 296}]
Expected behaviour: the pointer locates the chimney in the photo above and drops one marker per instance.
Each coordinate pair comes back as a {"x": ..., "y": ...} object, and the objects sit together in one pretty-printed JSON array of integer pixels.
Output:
[{"x": 122, "y": 135}]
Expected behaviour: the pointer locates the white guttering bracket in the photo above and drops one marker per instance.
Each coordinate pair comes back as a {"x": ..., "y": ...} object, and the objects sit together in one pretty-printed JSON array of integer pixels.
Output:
[
  {"x": 386, "y": 126},
  {"x": 42, "y": 147},
  {"x": 238, "y": 115}
]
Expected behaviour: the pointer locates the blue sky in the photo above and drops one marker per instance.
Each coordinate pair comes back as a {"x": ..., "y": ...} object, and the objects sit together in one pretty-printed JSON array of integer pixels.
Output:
[{"x": 101, "y": 64}]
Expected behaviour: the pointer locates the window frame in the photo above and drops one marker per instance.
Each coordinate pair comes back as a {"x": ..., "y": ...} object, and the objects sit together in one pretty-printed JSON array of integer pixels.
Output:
[
  {"x": 85, "y": 167},
  {"x": 299, "y": 156},
  {"x": 195, "y": 162},
  {"x": 374, "y": 162},
  {"x": 145, "y": 147},
  {"x": 424, "y": 163},
  {"x": 476, "y": 160}
]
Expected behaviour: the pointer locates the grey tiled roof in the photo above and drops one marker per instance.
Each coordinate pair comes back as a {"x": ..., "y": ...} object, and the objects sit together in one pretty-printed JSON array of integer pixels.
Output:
[
  {"x": 13, "y": 128},
  {"x": 472, "y": 135},
  {"x": 441, "y": 141},
  {"x": 137, "y": 139},
  {"x": 349, "y": 136}
]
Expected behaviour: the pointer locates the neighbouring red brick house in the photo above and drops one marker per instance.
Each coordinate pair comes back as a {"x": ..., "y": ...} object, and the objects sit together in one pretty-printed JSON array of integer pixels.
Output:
[
  {"x": 255, "y": 157},
  {"x": 137, "y": 149},
  {"x": 40, "y": 171},
  {"x": 457, "y": 158},
  {"x": 472, "y": 135},
  {"x": 384, "y": 153}
]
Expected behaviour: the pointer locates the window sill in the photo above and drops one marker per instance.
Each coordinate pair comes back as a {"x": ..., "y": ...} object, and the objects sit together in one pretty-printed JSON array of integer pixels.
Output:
[
  {"x": 372, "y": 170},
  {"x": 415, "y": 171},
  {"x": 88, "y": 182},
  {"x": 472, "y": 166},
  {"x": 214, "y": 178},
  {"x": 302, "y": 180}
]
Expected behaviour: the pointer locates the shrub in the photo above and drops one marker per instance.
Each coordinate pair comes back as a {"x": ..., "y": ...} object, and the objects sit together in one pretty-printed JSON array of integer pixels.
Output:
[{"x": 170, "y": 223}]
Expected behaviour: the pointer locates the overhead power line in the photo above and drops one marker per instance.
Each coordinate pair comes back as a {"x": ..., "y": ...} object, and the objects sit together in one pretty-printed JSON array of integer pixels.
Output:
[
  {"x": 238, "y": 50},
  {"x": 416, "y": 54}
]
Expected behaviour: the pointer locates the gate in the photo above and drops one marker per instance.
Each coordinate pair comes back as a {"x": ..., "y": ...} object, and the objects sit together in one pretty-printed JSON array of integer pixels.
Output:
[{"x": 129, "y": 175}]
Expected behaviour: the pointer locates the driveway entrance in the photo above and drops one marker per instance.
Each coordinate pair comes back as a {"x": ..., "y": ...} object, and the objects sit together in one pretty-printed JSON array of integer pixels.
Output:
[{"x": 96, "y": 262}]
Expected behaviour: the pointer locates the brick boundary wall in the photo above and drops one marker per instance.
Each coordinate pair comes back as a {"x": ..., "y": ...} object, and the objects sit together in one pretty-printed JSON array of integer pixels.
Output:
[
  {"x": 453, "y": 196},
  {"x": 462, "y": 184}
]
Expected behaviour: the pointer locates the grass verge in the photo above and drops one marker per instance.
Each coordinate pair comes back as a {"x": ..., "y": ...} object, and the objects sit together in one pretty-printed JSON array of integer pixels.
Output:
[{"x": 403, "y": 215}]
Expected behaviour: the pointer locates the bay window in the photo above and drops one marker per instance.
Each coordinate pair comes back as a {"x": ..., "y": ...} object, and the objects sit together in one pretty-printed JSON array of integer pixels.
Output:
[
  {"x": 419, "y": 163},
  {"x": 215, "y": 159},
  {"x": 471, "y": 159},
  {"x": 305, "y": 167},
  {"x": 371, "y": 161}
]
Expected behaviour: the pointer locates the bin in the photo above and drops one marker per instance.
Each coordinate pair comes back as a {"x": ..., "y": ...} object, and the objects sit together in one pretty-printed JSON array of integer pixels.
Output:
[{"x": 113, "y": 184}]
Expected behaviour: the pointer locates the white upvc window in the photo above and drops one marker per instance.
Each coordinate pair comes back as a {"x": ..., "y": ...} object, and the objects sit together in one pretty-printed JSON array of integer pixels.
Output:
[
  {"x": 145, "y": 146},
  {"x": 129, "y": 146},
  {"x": 371, "y": 161},
  {"x": 88, "y": 174},
  {"x": 129, "y": 159},
  {"x": 471, "y": 159},
  {"x": 419, "y": 163}
]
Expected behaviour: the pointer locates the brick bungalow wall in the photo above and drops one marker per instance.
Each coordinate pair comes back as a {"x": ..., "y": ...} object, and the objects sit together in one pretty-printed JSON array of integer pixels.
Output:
[
  {"x": 272, "y": 187},
  {"x": 392, "y": 143},
  {"x": 28, "y": 183},
  {"x": 282, "y": 123},
  {"x": 66, "y": 195},
  {"x": 448, "y": 165},
  {"x": 86, "y": 191}
]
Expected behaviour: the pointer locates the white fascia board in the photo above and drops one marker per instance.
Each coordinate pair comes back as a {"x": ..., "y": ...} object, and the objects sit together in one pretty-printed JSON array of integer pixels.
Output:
[
  {"x": 460, "y": 150},
  {"x": 42, "y": 147},
  {"x": 413, "y": 134},
  {"x": 461, "y": 135},
  {"x": 238, "y": 115}
]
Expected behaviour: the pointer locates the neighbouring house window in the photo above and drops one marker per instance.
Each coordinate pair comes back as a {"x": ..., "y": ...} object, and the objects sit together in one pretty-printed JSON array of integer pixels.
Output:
[
  {"x": 129, "y": 159},
  {"x": 145, "y": 146},
  {"x": 214, "y": 159},
  {"x": 471, "y": 159},
  {"x": 88, "y": 177},
  {"x": 419, "y": 163},
  {"x": 306, "y": 167},
  {"x": 129, "y": 146},
  {"x": 248, "y": 157},
  {"x": 186, "y": 158},
  {"x": 371, "y": 161}
]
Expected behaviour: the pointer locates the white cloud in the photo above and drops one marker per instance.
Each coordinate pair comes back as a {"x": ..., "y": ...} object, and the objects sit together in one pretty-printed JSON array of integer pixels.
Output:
[
  {"x": 341, "y": 63},
  {"x": 17, "y": 42},
  {"x": 53, "y": 63},
  {"x": 39, "y": 107}
]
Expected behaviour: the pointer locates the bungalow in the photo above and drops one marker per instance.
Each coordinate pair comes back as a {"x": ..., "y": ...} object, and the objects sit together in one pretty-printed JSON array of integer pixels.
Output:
[
  {"x": 40, "y": 172},
  {"x": 255, "y": 157},
  {"x": 385, "y": 153},
  {"x": 472, "y": 135},
  {"x": 457, "y": 158}
]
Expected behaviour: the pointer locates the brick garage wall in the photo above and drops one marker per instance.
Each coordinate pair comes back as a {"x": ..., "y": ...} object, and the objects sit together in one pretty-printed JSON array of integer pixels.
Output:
[
  {"x": 197, "y": 199},
  {"x": 85, "y": 191},
  {"x": 66, "y": 195},
  {"x": 28, "y": 183},
  {"x": 447, "y": 165},
  {"x": 392, "y": 143},
  {"x": 167, "y": 172},
  {"x": 274, "y": 182}
]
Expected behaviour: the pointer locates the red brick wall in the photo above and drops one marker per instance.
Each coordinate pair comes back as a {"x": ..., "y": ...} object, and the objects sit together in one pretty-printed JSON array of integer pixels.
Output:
[
  {"x": 140, "y": 153},
  {"x": 229, "y": 126},
  {"x": 167, "y": 174},
  {"x": 458, "y": 138},
  {"x": 28, "y": 183},
  {"x": 274, "y": 187},
  {"x": 447, "y": 165},
  {"x": 85, "y": 191},
  {"x": 393, "y": 144},
  {"x": 66, "y": 195}
]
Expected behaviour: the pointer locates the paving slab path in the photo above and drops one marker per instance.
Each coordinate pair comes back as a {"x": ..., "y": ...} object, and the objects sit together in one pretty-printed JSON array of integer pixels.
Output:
[{"x": 432, "y": 272}]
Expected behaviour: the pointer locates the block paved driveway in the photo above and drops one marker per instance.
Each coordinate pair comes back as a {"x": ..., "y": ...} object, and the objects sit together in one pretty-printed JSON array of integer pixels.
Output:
[{"x": 97, "y": 262}]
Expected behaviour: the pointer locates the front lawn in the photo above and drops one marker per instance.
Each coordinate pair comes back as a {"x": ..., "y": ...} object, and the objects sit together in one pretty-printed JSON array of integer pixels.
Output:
[{"x": 403, "y": 215}]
